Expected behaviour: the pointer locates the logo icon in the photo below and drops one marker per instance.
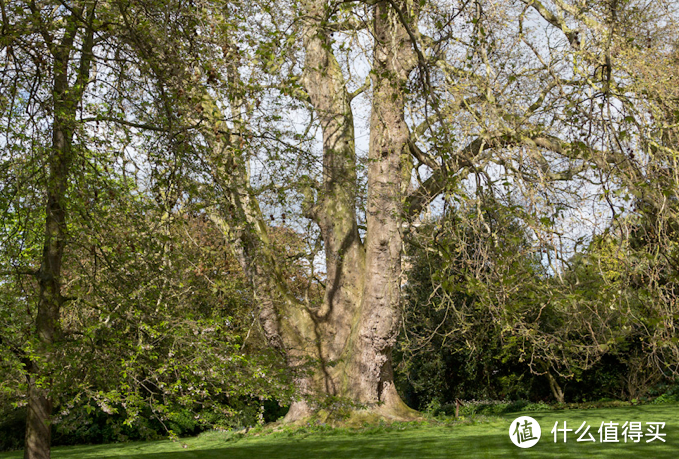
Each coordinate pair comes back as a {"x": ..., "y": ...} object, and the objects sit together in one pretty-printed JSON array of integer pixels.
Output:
[{"x": 524, "y": 431}]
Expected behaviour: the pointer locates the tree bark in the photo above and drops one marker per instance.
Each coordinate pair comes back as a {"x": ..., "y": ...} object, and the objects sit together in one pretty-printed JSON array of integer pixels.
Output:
[
  {"x": 393, "y": 61},
  {"x": 335, "y": 211},
  {"x": 38, "y": 434},
  {"x": 356, "y": 328}
]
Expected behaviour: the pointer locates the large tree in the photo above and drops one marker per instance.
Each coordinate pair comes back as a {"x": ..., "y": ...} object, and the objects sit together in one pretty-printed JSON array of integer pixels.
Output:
[
  {"x": 461, "y": 95},
  {"x": 341, "y": 347},
  {"x": 518, "y": 96}
]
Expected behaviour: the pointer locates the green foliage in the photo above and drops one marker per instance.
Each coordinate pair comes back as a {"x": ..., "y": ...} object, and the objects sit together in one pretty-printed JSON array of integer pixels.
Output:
[
  {"x": 454, "y": 344},
  {"x": 485, "y": 319},
  {"x": 667, "y": 394},
  {"x": 158, "y": 334},
  {"x": 87, "y": 423},
  {"x": 470, "y": 408}
]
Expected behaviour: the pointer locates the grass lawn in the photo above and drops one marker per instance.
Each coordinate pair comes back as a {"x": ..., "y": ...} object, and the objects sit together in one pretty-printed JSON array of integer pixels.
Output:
[{"x": 488, "y": 439}]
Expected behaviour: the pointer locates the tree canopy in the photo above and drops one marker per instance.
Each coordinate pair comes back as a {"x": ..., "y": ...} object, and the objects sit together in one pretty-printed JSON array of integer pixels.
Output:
[{"x": 214, "y": 196}]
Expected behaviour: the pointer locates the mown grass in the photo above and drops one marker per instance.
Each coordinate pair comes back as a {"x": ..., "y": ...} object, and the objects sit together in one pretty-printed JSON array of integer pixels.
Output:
[{"x": 468, "y": 438}]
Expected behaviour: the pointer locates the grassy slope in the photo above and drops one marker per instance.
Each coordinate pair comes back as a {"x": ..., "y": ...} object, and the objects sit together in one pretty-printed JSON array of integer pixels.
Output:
[{"x": 480, "y": 440}]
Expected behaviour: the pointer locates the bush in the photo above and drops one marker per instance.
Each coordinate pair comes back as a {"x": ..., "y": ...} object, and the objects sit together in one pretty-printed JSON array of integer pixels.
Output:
[
  {"x": 490, "y": 407},
  {"x": 87, "y": 423},
  {"x": 12, "y": 427}
]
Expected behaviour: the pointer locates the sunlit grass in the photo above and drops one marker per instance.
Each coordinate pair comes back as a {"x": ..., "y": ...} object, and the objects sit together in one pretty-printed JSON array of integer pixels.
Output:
[{"x": 483, "y": 438}]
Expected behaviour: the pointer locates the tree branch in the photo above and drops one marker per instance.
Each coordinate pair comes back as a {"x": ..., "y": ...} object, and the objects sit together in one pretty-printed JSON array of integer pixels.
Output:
[
  {"x": 359, "y": 90},
  {"x": 123, "y": 122},
  {"x": 572, "y": 35},
  {"x": 466, "y": 157}
]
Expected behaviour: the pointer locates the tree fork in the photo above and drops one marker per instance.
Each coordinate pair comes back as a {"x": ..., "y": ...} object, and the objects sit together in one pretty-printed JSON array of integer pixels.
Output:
[
  {"x": 348, "y": 339},
  {"x": 357, "y": 325}
]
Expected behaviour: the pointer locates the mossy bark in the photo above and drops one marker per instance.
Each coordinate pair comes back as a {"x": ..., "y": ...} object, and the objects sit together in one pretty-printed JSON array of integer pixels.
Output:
[
  {"x": 357, "y": 325},
  {"x": 345, "y": 344}
]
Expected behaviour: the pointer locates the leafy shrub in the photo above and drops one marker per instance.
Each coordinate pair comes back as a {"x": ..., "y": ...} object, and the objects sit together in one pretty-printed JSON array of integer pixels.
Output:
[
  {"x": 489, "y": 407},
  {"x": 12, "y": 425}
]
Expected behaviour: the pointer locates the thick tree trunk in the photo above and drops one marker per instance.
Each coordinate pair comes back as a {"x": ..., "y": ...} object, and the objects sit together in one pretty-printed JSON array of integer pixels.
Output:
[
  {"x": 335, "y": 213},
  {"x": 38, "y": 432},
  {"x": 380, "y": 314},
  {"x": 357, "y": 326},
  {"x": 348, "y": 340}
]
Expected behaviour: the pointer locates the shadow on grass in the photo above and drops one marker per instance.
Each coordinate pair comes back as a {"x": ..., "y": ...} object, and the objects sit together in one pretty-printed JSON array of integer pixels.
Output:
[
  {"x": 483, "y": 440},
  {"x": 473, "y": 446}
]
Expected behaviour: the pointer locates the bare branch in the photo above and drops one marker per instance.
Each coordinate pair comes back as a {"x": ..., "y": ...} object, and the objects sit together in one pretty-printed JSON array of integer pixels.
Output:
[{"x": 360, "y": 90}]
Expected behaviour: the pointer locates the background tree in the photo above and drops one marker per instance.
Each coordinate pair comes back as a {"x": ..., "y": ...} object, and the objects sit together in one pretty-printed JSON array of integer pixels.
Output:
[
  {"x": 456, "y": 340},
  {"x": 47, "y": 55},
  {"x": 90, "y": 265},
  {"x": 597, "y": 308},
  {"x": 484, "y": 318}
]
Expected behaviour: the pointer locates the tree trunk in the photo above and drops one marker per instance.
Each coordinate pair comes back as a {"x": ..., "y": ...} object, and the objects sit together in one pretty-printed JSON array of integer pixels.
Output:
[
  {"x": 38, "y": 433},
  {"x": 342, "y": 348},
  {"x": 393, "y": 61},
  {"x": 356, "y": 328},
  {"x": 556, "y": 389},
  {"x": 49, "y": 280},
  {"x": 50, "y": 298}
]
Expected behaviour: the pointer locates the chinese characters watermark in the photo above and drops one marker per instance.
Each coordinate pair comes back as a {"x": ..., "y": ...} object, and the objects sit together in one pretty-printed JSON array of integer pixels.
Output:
[
  {"x": 525, "y": 432},
  {"x": 612, "y": 432}
]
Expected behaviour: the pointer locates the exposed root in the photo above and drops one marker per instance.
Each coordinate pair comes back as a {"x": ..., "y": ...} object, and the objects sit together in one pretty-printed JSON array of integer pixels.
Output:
[{"x": 301, "y": 413}]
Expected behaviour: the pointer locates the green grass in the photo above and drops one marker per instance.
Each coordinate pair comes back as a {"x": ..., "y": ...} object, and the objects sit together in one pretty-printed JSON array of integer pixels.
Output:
[{"x": 469, "y": 439}]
